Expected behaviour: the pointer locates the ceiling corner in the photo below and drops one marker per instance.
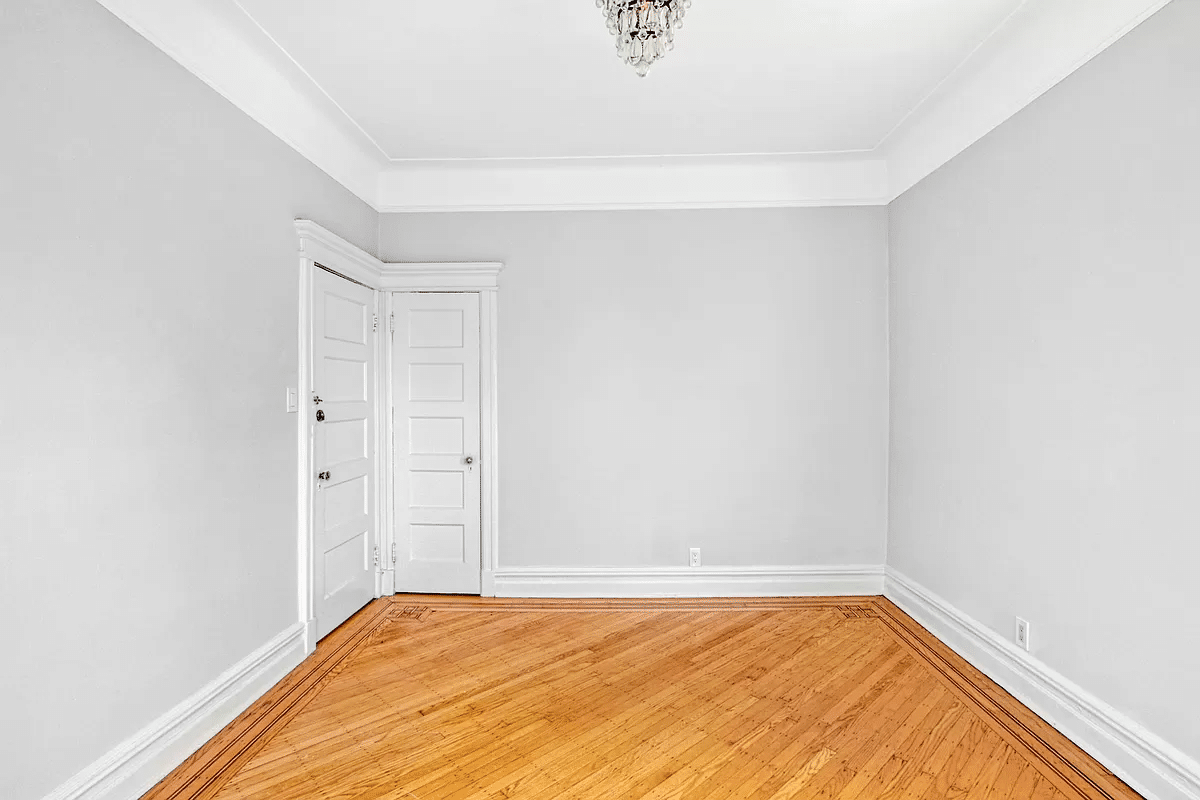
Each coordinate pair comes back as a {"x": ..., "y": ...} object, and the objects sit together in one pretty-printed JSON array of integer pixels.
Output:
[
  {"x": 217, "y": 42},
  {"x": 1039, "y": 46}
]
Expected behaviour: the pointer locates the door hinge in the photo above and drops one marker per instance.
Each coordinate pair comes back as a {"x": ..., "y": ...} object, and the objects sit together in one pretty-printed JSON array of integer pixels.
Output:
[
  {"x": 376, "y": 556},
  {"x": 392, "y": 322},
  {"x": 375, "y": 323},
  {"x": 393, "y": 552}
]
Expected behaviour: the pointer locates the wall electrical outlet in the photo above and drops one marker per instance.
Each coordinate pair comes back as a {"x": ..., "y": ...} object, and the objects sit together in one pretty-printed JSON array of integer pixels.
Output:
[
  {"x": 694, "y": 557},
  {"x": 1022, "y": 635}
]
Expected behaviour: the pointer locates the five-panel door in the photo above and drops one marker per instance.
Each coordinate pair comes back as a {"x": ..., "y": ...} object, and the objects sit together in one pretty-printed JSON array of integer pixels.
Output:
[
  {"x": 436, "y": 438},
  {"x": 342, "y": 411}
]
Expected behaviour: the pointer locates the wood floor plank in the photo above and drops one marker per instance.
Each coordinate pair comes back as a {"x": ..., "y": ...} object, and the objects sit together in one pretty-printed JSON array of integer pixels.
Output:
[{"x": 444, "y": 698}]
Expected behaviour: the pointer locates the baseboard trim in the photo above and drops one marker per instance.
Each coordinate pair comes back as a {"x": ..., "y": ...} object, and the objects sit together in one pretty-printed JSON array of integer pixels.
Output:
[
  {"x": 1152, "y": 766},
  {"x": 133, "y": 767},
  {"x": 809, "y": 581}
]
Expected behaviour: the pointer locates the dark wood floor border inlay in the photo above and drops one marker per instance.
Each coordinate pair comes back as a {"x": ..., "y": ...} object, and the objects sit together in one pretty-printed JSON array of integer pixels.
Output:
[
  {"x": 860, "y": 606},
  {"x": 208, "y": 769},
  {"x": 1073, "y": 771}
]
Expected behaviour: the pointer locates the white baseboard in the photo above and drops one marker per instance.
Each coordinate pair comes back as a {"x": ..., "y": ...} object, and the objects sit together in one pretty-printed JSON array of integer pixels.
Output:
[
  {"x": 688, "y": 582},
  {"x": 134, "y": 766},
  {"x": 1146, "y": 762}
]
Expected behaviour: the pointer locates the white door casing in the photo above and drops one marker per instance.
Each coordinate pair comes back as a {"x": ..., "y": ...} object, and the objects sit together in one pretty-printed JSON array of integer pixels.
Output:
[
  {"x": 319, "y": 246},
  {"x": 342, "y": 412},
  {"x": 436, "y": 440}
]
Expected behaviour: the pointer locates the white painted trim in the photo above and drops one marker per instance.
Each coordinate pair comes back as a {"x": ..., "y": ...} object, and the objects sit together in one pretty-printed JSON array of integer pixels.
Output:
[
  {"x": 800, "y": 581},
  {"x": 304, "y": 459},
  {"x": 1040, "y": 45},
  {"x": 440, "y": 277},
  {"x": 489, "y": 454},
  {"x": 131, "y": 768},
  {"x": 330, "y": 250},
  {"x": 310, "y": 635},
  {"x": 218, "y": 42},
  {"x": 1037, "y": 47},
  {"x": 387, "y": 519},
  {"x": 1152, "y": 766},
  {"x": 318, "y": 246},
  {"x": 634, "y": 183},
  {"x": 385, "y": 577}
]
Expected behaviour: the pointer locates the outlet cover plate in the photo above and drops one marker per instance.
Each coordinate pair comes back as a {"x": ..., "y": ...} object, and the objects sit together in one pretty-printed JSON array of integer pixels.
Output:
[{"x": 1022, "y": 634}]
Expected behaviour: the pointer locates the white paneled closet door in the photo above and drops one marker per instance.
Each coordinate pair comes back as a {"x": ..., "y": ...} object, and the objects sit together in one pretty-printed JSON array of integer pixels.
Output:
[{"x": 436, "y": 404}]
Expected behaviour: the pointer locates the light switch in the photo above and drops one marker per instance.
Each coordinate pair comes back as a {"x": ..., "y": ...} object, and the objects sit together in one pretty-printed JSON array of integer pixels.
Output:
[{"x": 293, "y": 400}]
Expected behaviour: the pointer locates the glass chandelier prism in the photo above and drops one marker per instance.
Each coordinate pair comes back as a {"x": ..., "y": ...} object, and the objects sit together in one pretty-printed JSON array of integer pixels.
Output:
[{"x": 645, "y": 29}]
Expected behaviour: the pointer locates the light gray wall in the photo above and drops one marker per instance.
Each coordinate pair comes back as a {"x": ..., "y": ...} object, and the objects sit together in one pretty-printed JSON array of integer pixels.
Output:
[
  {"x": 668, "y": 379},
  {"x": 1045, "y": 340},
  {"x": 712, "y": 379},
  {"x": 148, "y": 332}
]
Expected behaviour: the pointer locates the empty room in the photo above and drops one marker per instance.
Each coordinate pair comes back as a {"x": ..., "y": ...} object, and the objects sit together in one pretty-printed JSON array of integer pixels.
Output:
[{"x": 792, "y": 399}]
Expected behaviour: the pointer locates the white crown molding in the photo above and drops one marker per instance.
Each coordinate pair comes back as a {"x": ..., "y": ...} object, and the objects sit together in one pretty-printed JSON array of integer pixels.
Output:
[
  {"x": 1152, "y": 766},
  {"x": 1039, "y": 45},
  {"x": 754, "y": 181},
  {"x": 131, "y": 768},
  {"x": 1036, "y": 48},
  {"x": 219, "y": 43},
  {"x": 800, "y": 581}
]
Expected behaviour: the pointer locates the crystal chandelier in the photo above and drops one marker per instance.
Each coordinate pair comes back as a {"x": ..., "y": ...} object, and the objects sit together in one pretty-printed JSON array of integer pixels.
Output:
[{"x": 645, "y": 29}]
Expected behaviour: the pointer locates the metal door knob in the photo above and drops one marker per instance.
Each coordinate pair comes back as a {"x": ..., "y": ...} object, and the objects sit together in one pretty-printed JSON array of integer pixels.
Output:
[
  {"x": 320, "y": 415},
  {"x": 468, "y": 460},
  {"x": 323, "y": 476}
]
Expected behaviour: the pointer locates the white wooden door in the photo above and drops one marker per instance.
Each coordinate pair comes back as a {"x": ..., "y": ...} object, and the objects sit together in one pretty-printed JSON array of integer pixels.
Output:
[
  {"x": 343, "y": 414},
  {"x": 435, "y": 396}
]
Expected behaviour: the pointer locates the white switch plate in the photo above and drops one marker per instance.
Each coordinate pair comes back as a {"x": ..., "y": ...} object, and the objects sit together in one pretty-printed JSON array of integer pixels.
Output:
[
  {"x": 694, "y": 557},
  {"x": 293, "y": 400},
  {"x": 1022, "y": 634}
]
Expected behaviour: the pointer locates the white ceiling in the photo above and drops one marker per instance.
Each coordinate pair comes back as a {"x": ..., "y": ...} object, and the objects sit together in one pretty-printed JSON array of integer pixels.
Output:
[
  {"x": 540, "y": 78},
  {"x": 458, "y": 105}
]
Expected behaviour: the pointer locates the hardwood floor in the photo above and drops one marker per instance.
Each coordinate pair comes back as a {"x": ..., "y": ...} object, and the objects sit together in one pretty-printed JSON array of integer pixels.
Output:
[{"x": 439, "y": 698}]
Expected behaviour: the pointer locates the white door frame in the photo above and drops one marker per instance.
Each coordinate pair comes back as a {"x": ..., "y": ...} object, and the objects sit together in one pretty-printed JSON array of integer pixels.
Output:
[{"x": 319, "y": 246}]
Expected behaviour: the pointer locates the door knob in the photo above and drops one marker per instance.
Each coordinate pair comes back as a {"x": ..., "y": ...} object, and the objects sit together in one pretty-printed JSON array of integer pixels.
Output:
[
  {"x": 323, "y": 476},
  {"x": 320, "y": 415},
  {"x": 468, "y": 460}
]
